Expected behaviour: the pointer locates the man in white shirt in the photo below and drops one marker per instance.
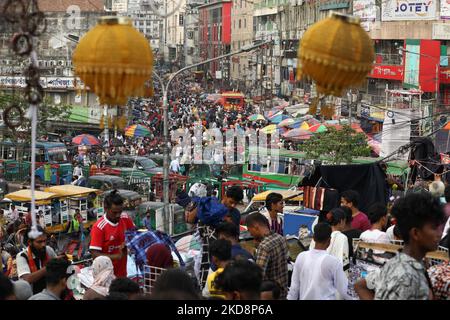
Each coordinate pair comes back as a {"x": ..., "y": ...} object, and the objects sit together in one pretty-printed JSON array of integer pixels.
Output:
[
  {"x": 78, "y": 171},
  {"x": 317, "y": 275},
  {"x": 378, "y": 218},
  {"x": 175, "y": 165},
  {"x": 13, "y": 214}
]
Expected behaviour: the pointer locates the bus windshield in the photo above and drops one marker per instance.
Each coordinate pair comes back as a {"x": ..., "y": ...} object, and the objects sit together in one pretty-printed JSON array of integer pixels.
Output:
[{"x": 57, "y": 155}]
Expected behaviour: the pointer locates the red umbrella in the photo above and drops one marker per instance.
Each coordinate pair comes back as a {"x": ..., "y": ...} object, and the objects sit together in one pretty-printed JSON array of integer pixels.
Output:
[
  {"x": 354, "y": 126},
  {"x": 86, "y": 139}
]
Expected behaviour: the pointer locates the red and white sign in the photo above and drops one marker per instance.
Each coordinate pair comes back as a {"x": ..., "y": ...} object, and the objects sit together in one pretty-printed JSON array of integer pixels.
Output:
[
  {"x": 387, "y": 72},
  {"x": 445, "y": 76}
]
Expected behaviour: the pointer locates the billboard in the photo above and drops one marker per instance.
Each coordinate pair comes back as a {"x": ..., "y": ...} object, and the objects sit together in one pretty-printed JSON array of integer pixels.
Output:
[
  {"x": 365, "y": 9},
  {"x": 399, "y": 10},
  {"x": 445, "y": 9}
]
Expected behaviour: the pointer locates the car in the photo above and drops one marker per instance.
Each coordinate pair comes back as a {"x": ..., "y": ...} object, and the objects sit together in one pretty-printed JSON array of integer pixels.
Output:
[
  {"x": 157, "y": 158},
  {"x": 138, "y": 163},
  {"x": 105, "y": 182},
  {"x": 132, "y": 200}
]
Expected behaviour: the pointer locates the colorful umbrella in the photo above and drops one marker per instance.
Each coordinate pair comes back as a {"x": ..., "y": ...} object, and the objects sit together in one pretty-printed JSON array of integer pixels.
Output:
[
  {"x": 286, "y": 122},
  {"x": 304, "y": 126},
  {"x": 269, "y": 129},
  {"x": 338, "y": 126},
  {"x": 137, "y": 130},
  {"x": 317, "y": 128},
  {"x": 86, "y": 139},
  {"x": 272, "y": 113},
  {"x": 256, "y": 117},
  {"x": 278, "y": 118},
  {"x": 313, "y": 121},
  {"x": 297, "y": 134}
]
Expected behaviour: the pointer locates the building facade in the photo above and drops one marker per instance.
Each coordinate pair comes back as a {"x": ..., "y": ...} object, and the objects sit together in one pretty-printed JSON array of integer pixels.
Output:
[
  {"x": 191, "y": 32},
  {"x": 54, "y": 51},
  {"x": 241, "y": 35},
  {"x": 174, "y": 33},
  {"x": 215, "y": 40}
]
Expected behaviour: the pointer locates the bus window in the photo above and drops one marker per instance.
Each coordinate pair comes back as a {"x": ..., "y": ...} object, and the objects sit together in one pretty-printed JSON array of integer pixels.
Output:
[
  {"x": 57, "y": 157},
  {"x": 236, "y": 101},
  {"x": 40, "y": 155}
]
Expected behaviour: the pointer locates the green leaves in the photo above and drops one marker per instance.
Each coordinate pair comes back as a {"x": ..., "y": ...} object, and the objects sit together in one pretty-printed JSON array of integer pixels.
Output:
[
  {"x": 338, "y": 146},
  {"x": 46, "y": 112}
]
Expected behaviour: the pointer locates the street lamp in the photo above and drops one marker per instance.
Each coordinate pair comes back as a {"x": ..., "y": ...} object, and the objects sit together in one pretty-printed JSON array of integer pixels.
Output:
[{"x": 165, "y": 89}]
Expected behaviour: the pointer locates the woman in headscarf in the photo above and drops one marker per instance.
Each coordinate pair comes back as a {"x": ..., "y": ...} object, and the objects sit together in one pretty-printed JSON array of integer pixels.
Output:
[
  {"x": 159, "y": 255},
  {"x": 103, "y": 272},
  {"x": 159, "y": 258}
]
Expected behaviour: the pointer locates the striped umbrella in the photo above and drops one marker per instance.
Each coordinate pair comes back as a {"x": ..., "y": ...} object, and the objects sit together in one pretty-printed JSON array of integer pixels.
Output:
[
  {"x": 86, "y": 139},
  {"x": 318, "y": 128},
  {"x": 137, "y": 130},
  {"x": 298, "y": 134},
  {"x": 256, "y": 117},
  {"x": 278, "y": 118},
  {"x": 286, "y": 122}
]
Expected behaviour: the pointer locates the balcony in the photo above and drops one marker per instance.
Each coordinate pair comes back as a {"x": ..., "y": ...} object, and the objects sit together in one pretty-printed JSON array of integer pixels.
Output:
[{"x": 392, "y": 59}]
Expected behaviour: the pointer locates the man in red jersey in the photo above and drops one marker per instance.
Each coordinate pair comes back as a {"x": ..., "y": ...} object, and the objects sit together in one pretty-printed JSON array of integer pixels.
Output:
[{"x": 108, "y": 234}]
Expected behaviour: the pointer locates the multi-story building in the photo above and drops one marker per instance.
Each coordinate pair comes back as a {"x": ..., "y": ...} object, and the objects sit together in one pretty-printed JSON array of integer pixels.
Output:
[
  {"x": 191, "y": 32},
  {"x": 146, "y": 21},
  {"x": 241, "y": 35},
  {"x": 174, "y": 33},
  {"x": 215, "y": 38},
  {"x": 55, "y": 47}
]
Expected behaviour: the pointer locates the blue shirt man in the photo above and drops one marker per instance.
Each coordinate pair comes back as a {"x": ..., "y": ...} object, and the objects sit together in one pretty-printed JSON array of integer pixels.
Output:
[{"x": 147, "y": 221}]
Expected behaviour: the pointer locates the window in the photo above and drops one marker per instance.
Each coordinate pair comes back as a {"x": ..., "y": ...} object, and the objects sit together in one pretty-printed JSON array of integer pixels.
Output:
[
  {"x": 239, "y": 23},
  {"x": 245, "y": 23},
  {"x": 181, "y": 20}
]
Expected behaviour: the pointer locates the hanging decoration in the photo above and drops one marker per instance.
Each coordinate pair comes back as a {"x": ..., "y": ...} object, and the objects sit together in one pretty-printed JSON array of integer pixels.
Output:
[
  {"x": 336, "y": 53},
  {"x": 114, "y": 60},
  {"x": 32, "y": 24}
]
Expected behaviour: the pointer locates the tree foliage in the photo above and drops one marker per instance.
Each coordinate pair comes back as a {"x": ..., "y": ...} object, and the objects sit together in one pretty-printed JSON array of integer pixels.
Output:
[
  {"x": 47, "y": 111},
  {"x": 340, "y": 146}
]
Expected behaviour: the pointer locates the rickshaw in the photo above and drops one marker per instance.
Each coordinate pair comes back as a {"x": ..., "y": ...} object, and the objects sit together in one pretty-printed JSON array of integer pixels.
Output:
[
  {"x": 69, "y": 199},
  {"x": 105, "y": 182},
  {"x": 177, "y": 223}
]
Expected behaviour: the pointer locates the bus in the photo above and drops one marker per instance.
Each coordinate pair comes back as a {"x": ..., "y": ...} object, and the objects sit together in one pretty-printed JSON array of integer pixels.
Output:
[
  {"x": 292, "y": 166},
  {"x": 231, "y": 100},
  {"x": 16, "y": 161}
]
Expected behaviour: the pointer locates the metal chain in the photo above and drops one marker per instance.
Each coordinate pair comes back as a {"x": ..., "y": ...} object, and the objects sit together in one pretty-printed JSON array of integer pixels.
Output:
[{"x": 32, "y": 23}]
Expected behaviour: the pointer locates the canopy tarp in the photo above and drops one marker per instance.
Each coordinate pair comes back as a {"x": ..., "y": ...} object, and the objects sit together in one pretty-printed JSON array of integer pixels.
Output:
[
  {"x": 25, "y": 196},
  {"x": 70, "y": 190}
]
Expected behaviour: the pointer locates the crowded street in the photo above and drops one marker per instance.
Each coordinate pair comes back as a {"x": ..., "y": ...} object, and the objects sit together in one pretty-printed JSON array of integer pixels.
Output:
[{"x": 144, "y": 171}]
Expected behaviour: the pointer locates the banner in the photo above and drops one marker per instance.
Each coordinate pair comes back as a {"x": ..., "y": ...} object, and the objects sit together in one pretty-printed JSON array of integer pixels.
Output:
[
  {"x": 445, "y": 9},
  {"x": 365, "y": 9},
  {"x": 387, "y": 72},
  {"x": 412, "y": 64},
  {"x": 46, "y": 82},
  {"x": 398, "y": 10}
]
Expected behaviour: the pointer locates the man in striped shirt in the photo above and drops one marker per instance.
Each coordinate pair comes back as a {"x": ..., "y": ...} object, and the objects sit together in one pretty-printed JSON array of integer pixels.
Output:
[{"x": 272, "y": 252}]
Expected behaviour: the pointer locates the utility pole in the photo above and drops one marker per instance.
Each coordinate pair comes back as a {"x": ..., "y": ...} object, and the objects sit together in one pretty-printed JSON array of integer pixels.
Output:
[
  {"x": 271, "y": 72},
  {"x": 165, "y": 89}
]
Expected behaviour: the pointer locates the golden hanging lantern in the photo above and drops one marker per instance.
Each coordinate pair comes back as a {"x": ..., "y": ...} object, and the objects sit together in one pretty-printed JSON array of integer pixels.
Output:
[
  {"x": 337, "y": 53},
  {"x": 114, "y": 60}
]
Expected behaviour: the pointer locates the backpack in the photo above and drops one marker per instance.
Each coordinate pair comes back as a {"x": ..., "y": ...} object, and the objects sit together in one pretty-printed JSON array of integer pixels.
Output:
[{"x": 210, "y": 211}]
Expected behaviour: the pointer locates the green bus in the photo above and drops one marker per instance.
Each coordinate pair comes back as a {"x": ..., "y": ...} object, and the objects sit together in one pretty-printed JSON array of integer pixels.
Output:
[{"x": 292, "y": 166}]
